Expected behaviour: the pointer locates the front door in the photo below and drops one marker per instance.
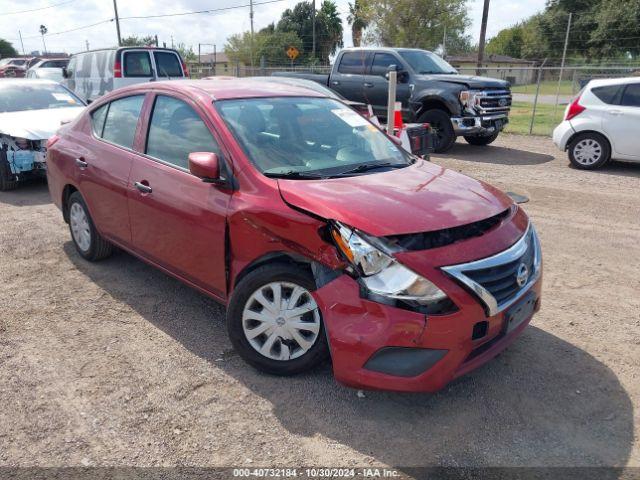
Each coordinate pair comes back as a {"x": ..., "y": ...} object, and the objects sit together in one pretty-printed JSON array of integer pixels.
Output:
[
  {"x": 376, "y": 85},
  {"x": 177, "y": 220}
]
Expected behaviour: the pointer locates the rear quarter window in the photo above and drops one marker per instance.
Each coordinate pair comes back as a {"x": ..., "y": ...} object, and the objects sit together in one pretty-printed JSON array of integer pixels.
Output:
[{"x": 98, "y": 117}]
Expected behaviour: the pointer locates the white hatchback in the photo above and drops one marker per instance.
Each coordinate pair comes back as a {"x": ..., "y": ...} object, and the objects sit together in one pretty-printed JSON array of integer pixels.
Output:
[{"x": 601, "y": 123}]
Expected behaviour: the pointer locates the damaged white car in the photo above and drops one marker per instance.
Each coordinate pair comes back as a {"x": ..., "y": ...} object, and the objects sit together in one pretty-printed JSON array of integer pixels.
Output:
[{"x": 31, "y": 111}]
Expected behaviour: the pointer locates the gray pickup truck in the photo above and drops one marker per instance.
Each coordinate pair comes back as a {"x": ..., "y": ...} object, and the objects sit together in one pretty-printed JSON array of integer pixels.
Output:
[{"x": 431, "y": 91}]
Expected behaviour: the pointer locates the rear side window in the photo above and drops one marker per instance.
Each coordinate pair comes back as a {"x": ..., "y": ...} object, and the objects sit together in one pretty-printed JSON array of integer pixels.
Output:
[
  {"x": 167, "y": 64},
  {"x": 137, "y": 64},
  {"x": 381, "y": 63},
  {"x": 122, "y": 119},
  {"x": 54, "y": 64},
  {"x": 352, "y": 62},
  {"x": 608, "y": 94},
  {"x": 175, "y": 131},
  {"x": 631, "y": 95},
  {"x": 97, "y": 119}
]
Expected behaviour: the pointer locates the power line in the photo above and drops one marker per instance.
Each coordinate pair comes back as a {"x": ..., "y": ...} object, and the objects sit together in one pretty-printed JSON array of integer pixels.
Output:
[
  {"x": 212, "y": 10},
  {"x": 72, "y": 29},
  {"x": 41, "y": 8}
]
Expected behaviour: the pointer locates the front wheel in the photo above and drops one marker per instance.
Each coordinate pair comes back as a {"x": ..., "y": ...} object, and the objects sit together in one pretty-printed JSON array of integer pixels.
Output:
[
  {"x": 444, "y": 135},
  {"x": 273, "y": 321},
  {"x": 589, "y": 151},
  {"x": 482, "y": 140}
]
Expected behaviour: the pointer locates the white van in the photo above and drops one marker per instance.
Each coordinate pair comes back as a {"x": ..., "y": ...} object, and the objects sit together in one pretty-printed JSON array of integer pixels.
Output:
[{"x": 96, "y": 72}]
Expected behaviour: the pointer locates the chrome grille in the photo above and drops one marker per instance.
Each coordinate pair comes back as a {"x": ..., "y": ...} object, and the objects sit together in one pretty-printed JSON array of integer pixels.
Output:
[
  {"x": 493, "y": 101},
  {"x": 494, "y": 280}
]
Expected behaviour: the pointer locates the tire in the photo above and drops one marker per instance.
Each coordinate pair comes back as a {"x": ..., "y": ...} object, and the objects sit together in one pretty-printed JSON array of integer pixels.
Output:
[
  {"x": 482, "y": 140},
  {"x": 88, "y": 242},
  {"x": 6, "y": 177},
  {"x": 440, "y": 122},
  {"x": 589, "y": 151},
  {"x": 246, "y": 314}
]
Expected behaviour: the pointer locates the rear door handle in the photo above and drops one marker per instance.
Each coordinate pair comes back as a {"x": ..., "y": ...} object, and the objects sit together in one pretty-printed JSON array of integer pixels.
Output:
[
  {"x": 335, "y": 82},
  {"x": 81, "y": 163},
  {"x": 615, "y": 112},
  {"x": 143, "y": 188},
  {"x": 368, "y": 85}
]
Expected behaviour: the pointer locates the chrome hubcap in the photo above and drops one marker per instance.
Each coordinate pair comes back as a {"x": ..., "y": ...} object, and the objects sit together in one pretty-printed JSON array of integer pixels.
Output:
[
  {"x": 80, "y": 227},
  {"x": 587, "y": 151},
  {"x": 281, "y": 321}
]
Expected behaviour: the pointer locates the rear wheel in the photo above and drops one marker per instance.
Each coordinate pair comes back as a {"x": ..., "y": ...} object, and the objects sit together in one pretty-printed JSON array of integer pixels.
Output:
[
  {"x": 482, "y": 140},
  {"x": 7, "y": 179},
  {"x": 88, "y": 242},
  {"x": 444, "y": 135},
  {"x": 589, "y": 151},
  {"x": 273, "y": 321}
]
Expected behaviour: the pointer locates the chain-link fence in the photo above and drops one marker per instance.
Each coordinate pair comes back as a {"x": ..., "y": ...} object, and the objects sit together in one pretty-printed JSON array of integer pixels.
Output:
[{"x": 540, "y": 94}]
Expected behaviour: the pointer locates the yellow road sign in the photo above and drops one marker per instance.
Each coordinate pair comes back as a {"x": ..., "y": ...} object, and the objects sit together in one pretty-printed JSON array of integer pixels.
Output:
[{"x": 292, "y": 53}]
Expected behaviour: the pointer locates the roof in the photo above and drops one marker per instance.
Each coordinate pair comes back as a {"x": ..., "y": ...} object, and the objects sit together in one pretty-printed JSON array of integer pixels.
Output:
[
  {"x": 225, "y": 88},
  {"x": 473, "y": 58},
  {"x": 601, "y": 82}
]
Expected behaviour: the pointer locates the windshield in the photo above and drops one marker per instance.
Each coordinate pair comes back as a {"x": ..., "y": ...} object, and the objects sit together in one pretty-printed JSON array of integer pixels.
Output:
[
  {"x": 15, "y": 97},
  {"x": 309, "y": 137},
  {"x": 426, "y": 62}
]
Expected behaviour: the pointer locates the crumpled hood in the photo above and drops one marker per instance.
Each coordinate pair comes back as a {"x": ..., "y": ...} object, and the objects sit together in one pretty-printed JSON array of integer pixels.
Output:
[
  {"x": 36, "y": 124},
  {"x": 467, "y": 80},
  {"x": 420, "y": 198}
]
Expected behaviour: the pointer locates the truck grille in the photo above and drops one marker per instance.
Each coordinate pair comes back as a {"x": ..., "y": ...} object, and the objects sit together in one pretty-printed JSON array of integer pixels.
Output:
[
  {"x": 499, "y": 281},
  {"x": 493, "y": 101}
]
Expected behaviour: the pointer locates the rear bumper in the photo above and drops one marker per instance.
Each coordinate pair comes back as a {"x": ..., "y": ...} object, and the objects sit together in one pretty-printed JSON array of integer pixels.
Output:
[
  {"x": 481, "y": 125},
  {"x": 562, "y": 134},
  {"x": 360, "y": 333}
]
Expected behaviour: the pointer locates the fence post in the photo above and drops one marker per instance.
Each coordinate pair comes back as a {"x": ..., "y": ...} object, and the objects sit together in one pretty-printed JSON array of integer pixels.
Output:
[{"x": 535, "y": 100}]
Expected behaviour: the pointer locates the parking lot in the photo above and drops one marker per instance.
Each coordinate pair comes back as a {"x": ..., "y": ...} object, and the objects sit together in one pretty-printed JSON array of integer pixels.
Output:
[{"x": 115, "y": 363}]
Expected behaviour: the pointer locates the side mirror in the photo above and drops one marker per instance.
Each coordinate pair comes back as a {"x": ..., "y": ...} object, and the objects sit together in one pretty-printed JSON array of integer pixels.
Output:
[{"x": 205, "y": 165}]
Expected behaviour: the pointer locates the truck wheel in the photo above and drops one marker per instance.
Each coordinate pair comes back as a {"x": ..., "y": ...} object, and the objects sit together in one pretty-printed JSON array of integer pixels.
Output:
[
  {"x": 440, "y": 122},
  {"x": 482, "y": 140},
  {"x": 7, "y": 181},
  {"x": 273, "y": 321},
  {"x": 589, "y": 151},
  {"x": 88, "y": 242}
]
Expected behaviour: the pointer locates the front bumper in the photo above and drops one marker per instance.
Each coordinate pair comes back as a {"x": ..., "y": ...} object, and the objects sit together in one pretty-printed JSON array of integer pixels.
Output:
[{"x": 481, "y": 125}]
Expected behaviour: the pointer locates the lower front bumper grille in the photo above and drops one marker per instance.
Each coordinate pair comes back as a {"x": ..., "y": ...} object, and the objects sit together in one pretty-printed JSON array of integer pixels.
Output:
[{"x": 501, "y": 280}]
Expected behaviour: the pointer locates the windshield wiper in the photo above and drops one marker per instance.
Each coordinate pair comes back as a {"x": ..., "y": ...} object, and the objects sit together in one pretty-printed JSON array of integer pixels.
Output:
[
  {"x": 364, "y": 167},
  {"x": 294, "y": 174}
]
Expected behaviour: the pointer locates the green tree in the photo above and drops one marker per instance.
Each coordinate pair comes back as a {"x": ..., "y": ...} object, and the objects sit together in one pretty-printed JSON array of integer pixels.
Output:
[
  {"x": 417, "y": 23},
  {"x": 267, "y": 43},
  {"x": 507, "y": 42},
  {"x": 187, "y": 53},
  {"x": 358, "y": 21},
  {"x": 6, "y": 49},
  {"x": 618, "y": 29},
  {"x": 136, "y": 41}
]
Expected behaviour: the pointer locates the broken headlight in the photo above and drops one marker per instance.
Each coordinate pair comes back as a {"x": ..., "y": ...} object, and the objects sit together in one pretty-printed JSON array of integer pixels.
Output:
[{"x": 379, "y": 272}]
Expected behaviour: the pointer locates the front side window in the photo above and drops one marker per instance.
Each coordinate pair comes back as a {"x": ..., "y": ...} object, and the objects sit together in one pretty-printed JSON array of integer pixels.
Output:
[
  {"x": 137, "y": 64},
  {"x": 352, "y": 62},
  {"x": 304, "y": 136},
  {"x": 382, "y": 62},
  {"x": 175, "y": 131},
  {"x": 631, "y": 95},
  {"x": 167, "y": 64},
  {"x": 122, "y": 120}
]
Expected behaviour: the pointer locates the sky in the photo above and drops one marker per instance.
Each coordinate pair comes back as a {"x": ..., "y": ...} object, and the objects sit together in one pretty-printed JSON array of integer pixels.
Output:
[{"x": 209, "y": 28}]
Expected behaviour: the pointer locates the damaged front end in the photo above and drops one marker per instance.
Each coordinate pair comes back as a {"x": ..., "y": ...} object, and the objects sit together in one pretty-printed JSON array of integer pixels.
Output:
[{"x": 21, "y": 159}]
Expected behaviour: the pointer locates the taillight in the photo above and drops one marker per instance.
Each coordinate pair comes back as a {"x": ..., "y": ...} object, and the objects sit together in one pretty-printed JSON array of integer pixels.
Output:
[
  {"x": 52, "y": 141},
  {"x": 117, "y": 69},
  {"x": 185, "y": 69},
  {"x": 574, "y": 109}
]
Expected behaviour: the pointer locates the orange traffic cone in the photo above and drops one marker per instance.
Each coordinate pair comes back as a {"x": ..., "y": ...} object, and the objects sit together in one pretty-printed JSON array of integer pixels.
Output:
[{"x": 397, "y": 119}]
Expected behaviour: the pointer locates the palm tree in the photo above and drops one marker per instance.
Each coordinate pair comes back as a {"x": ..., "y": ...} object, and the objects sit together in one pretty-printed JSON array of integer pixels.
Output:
[{"x": 357, "y": 21}]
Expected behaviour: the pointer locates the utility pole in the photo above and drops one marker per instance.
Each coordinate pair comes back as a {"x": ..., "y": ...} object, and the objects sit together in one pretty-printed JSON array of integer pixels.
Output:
[
  {"x": 171, "y": 41},
  {"x": 564, "y": 56},
  {"x": 483, "y": 36},
  {"x": 115, "y": 10},
  {"x": 87, "y": 44},
  {"x": 251, "y": 43},
  {"x": 313, "y": 30},
  {"x": 22, "y": 44}
]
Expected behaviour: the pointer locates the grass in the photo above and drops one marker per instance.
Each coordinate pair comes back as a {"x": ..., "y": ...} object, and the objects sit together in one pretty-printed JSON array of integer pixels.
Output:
[
  {"x": 545, "y": 120},
  {"x": 567, "y": 87}
]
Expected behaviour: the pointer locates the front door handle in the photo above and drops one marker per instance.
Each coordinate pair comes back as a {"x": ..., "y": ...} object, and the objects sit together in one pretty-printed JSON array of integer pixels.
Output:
[
  {"x": 368, "y": 85},
  {"x": 81, "y": 163},
  {"x": 143, "y": 188}
]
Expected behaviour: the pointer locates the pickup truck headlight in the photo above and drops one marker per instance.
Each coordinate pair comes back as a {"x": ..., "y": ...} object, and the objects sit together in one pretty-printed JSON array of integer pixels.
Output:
[
  {"x": 468, "y": 99},
  {"x": 379, "y": 272}
]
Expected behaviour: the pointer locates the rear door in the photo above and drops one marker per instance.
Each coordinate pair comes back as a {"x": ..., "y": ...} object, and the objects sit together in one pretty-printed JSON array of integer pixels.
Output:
[
  {"x": 623, "y": 122},
  {"x": 348, "y": 76},
  {"x": 177, "y": 220},
  {"x": 168, "y": 65}
]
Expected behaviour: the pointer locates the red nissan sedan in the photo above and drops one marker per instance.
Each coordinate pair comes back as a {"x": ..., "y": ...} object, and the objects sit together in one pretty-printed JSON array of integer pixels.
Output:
[{"x": 321, "y": 235}]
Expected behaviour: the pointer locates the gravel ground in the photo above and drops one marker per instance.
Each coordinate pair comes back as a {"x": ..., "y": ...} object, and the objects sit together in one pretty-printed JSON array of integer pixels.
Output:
[{"x": 115, "y": 363}]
